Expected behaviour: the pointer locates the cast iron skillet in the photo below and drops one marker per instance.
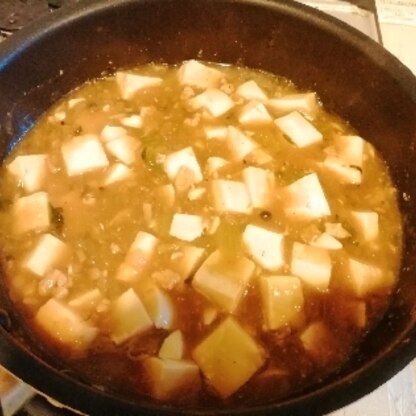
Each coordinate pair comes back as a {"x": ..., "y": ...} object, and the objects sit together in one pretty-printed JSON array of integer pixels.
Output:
[{"x": 354, "y": 77}]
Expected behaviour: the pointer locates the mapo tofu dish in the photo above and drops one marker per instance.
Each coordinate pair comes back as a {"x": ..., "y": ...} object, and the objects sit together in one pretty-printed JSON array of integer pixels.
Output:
[{"x": 198, "y": 234}]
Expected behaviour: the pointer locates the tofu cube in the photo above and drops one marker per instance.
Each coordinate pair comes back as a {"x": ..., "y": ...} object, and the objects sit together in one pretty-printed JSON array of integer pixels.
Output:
[
  {"x": 300, "y": 131},
  {"x": 228, "y": 357},
  {"x": 282, "y": 300},
  {"x": 187, "y": 260},
  {"x": 116, "y": 173},
  {"x": 172, "y": 347},
  {"x": 134, "y": 121},
  {"x": 335, "y": 229},
  {"x": 350, "y": 150},
  {"x": 180, "y": 159},
  {"x": 265, "y": 247},
  {"x": 365, "y": 224},
  {"x": 254, "y": 113},
  {"x": 30, "y": 171},
  {"x": 216, "y": 102},
  {"x": 123, "y": 149},
  {"x": 305, "y": 103},
  {"x": 109, "y": 133},
  {"x": 132, "y": 269},
  {"x": 326, "y": 241},
  {"x": 31, "y": 213},
  {"x": 129, "y": 84},
  {"x": 165, "y": 195},
  {"x": 239, "y": 144},
  {"x": 312, "y": 264},
  {"x": 216, "y": 132},
  {"x": 128, "y": 317},
  {"x": 158, "y": 305},
  {"x": 170, "y": 379},
  {"x": 346, "y": 175},
  {"x": 306, "y": 198},
  {"x": 364, "y": 278},
  {"x": 83, "y": 154},
  {"x": 317, "y": 340},
  {"x": 260, "y": 184},
  {"x": 49, "y": 253},
  {"x": 214, "y": 164},
  {"x": 230, "y": 197},
  {"x": 128, "y": 274},
  {"x": 86, "y": 303},
  {"x": 64, "y": 325},
  {"x": 145, "y": 243},
  {"x": 251, "y": 91},
  {"x": 186, "y": 227},
  {"x": 198, "y": 75},
  {"x": 223, "y": 280}
]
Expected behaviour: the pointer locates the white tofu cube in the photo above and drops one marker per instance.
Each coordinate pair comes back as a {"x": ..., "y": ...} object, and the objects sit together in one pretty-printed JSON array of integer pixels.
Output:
[
  {"x": 180, "y": 159},
  {"x": 350, "y": 149},
  {"x": 305, "y": 103},
  {"x": 83, "y": 154},
  {"x": 258, "y": 157},
  {"x": 317, "y": 339},
  {"x": 265, "y": 247},
  {"x": 128, "y": 274},
  {"x": 326, "y": 241},
  {"x": 364, "y": 278},
  {"x": 228, "y": 357},
  {"x": 86, "y": 303},
  {"x": 170, "y": 379},
  {"x": 48, "y": 253},
  {"x": 30, "y": 171},
  {"x": 129, "y": 84},
  {"x": 216, "y": 132},
  {"x": 282, "y": 300},
  {"x": 230, "y": 196},
  {"x": 346, "y": 175},
  {"x": 109, "y": 133},
  {"x": 145, "y": 243},
  {"x": 306, "y": 198},
  {"x": 134, "y": 121},
  {"x": 251, "y": 91},
  {"x": 31, "y": 213},
  {"x": 186, "y": 227},
  {"x": 365, "y": 224},
  {"x": 300, "y": 131},
  {"x": 312, "y": 264},
  {"x": 128, "y": 317},
  {"x": 116, "y": 173},
  {"x": 187, "y": 260},
  {"x": 195, "y": 194},
  {"x": 198, "y": 75},
  {"x": 239, "y": 144},
  {"x": 123, "y": 149},
  {"x": 216, "y": 102},
  {"x": 335, "y": 229},
  {"x": 65, "y": 326},
  {"x": 254, "y": 113},
  {"x": 165, "y": 195},
  {"x": 173, "y": 346},
  {"x": 158, "y": 305},
  {"x": 223, "y": 280},
  {"x": 260, "y": 185},
  {"x": 214, "y": 164}
]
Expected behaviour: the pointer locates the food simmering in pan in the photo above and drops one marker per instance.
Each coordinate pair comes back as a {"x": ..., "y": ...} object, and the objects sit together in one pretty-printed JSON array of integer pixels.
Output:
[{"x": 197, "y": 232}]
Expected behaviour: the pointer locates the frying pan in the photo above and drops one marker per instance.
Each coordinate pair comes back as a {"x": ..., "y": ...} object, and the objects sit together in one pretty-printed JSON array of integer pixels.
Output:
[{"x": 355, "y": 78}]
